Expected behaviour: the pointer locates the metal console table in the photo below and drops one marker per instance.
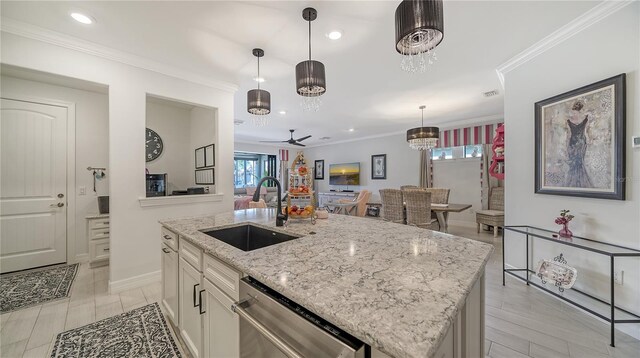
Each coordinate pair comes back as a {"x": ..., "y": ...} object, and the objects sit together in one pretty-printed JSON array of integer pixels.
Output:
[{"x": 612, "y": 251}]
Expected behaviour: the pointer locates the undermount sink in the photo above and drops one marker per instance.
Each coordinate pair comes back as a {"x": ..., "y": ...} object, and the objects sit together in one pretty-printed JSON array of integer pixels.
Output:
[{"x": 249, "y": 237}]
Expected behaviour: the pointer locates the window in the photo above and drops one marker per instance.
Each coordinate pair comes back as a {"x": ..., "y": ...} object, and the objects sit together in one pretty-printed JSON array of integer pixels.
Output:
[
  {"x": 473, "y": 151},
  {"x": 467, "y": 151},
  {"x": 244, "y": 172}
]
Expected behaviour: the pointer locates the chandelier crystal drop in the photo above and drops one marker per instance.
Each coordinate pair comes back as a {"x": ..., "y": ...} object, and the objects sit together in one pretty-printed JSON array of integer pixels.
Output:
[
  {"x": 310, "y": 75},
  {"x": 419, "y": 29},
  {"x": 260, "y": 121},
  {"x": 423, "y": 138},
  {"x": 258, "y": 100}
]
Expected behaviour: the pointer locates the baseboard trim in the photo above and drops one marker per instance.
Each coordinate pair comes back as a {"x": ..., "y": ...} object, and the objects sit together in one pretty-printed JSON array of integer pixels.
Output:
[
  {"x": 82, "y": 258},
  {"x": 134, "y": 282}
]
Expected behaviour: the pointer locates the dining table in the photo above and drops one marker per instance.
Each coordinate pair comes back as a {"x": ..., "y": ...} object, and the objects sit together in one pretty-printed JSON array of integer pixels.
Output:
[{"x": 442, "y": 213}]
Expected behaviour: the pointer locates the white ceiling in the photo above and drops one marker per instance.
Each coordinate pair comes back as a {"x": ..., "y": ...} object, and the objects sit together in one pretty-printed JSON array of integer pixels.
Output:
[{"x": 366, "y": 89}]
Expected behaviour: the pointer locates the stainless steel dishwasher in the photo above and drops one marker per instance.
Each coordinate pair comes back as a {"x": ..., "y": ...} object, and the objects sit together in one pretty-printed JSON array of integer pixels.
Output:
[{"x": 272, "y": 326}]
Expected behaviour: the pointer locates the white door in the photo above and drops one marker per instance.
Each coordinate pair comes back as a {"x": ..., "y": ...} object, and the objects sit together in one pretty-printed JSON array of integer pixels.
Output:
[
  {"x": 189, "y": 315},
  {"x": 221, "y": 325},
  {"x": 33, "y": 179}
]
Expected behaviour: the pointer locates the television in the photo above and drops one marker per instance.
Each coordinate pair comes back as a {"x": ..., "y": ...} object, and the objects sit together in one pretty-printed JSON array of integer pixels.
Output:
[{"x": 344, "y": 174}]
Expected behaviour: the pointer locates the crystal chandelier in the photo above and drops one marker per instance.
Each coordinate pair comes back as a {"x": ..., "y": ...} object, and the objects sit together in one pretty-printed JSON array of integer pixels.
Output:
[
  {"x": 419, "y": 29},
  {"x": 258, "y": 100},
  {"x": 310, "y": 77},
  {"x": 260, "y": 121},
  {"x": 423, "y": 138}
]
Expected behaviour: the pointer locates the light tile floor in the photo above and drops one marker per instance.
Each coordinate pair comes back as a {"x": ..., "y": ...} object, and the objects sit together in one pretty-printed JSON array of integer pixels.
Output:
[{"x": 521, "y": 321}]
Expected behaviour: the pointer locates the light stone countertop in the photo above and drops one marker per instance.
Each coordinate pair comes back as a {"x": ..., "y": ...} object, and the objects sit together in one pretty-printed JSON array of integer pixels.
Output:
[{"x": 397, "y": 288}]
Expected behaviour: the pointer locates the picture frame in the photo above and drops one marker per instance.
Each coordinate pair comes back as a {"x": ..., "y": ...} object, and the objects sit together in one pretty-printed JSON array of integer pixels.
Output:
[
  {"x": 319, "y": 169},
  {"x": 209, "y": 155},
  {"x": 205, "y": 176},
  {"x": 200, "y": 158},
  {"x": 379, "y": 166},
  {"x": 580, "y": 141}
]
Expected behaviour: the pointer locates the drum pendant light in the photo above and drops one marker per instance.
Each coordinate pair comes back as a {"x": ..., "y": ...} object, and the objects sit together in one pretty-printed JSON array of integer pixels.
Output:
[
  {"x": 423, "y": 138},
  {"x": 258, "y": 100},
  {"x": 310, "y": 77},
  {"x": 419, "y": 29}
]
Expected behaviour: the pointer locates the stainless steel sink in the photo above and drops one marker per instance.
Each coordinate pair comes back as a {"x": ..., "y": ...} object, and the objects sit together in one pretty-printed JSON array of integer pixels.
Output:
[{"x": 248, "y": 237}]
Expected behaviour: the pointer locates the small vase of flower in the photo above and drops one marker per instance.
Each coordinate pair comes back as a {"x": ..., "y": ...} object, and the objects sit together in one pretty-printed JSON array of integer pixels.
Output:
[{"x": 563, "y": 220}]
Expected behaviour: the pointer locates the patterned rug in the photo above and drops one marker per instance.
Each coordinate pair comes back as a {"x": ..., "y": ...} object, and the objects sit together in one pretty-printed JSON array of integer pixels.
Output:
[
  {"x": 34, "y": 287},
  {"x": 139, "y": 333}
]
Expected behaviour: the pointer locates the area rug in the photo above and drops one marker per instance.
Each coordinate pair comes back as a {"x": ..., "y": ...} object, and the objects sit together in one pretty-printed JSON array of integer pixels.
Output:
[
  {"x": 34, "y": 287},
  {"x": 142, "y": 332}
]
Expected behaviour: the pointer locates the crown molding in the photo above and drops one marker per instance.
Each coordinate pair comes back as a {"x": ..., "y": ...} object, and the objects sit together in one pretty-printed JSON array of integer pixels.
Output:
[
  {"x": 37, "y": 33},
  {"x": 579, "y": 24}
]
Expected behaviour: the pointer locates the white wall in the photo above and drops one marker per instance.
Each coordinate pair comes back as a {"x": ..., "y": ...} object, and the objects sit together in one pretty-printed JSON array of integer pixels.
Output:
[
  {"x": 92, "y": 144},
  {"x": 259, "y": 148},
  {"x": 403, "y": 163},
  {"x": 135, "y": 232},
  {"x": 173, "y": 124},
  {"x": 605, "y": 49},
  {"x": 462, "y": 176},
  {"x": 203, "y": 132}
]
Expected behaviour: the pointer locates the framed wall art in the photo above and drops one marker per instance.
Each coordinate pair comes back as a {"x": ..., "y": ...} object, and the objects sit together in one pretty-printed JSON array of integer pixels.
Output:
[
  {"x": 205, "y": 177},
  {"x": 579, "y": 142},
  {"x": 209, "y": 156},
  {"x": 200, "y": 158},
  {"x": 379, "y": 166},
  {"x": 319, "y": 170}
]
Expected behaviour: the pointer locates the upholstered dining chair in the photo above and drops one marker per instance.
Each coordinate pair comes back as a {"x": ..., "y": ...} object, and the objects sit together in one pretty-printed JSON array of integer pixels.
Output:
[
  {"x": 418, "y": 208},
  {"x": 357, "y": 207},
  {"x": 392, "y": 205},
  {"x": 495, "y": 215}
]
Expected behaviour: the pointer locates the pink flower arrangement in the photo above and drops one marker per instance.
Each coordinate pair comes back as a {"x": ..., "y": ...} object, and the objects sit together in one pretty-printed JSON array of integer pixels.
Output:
[{"x": 564, "y": 217}]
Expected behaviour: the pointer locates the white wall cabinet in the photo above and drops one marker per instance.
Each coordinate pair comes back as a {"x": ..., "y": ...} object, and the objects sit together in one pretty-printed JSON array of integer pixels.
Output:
[
  {"x": 190, "y": 283},
  {"x": 221, "y": 325},
  {"x": 170, "y": 283}
]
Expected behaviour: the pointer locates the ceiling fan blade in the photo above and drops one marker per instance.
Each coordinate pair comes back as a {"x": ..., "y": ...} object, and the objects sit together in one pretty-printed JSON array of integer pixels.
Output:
[
  {"x": 272, "y": 141},
  {"x": 303, "y": 138},
  {"x": 299, "y": 144}
]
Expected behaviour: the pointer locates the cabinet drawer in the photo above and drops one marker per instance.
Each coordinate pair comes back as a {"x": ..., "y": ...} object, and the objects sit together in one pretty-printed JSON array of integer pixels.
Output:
[
  {"x": 191, "y": 254},
  {"x": 226, "y": 278},
  {"x": 99, "y": 234},
  {"x": 170, "y": 238},
  {"x": 99, "y": 249},
  {"x": 99, "y": 223}
]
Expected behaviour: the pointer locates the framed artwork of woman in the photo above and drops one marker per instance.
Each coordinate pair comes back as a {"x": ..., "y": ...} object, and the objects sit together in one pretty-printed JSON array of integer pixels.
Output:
[{"x": 579, "y": 140}]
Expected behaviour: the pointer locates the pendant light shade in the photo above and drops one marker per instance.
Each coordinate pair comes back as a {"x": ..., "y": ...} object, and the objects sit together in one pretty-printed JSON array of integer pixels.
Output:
[
  {"x": 419, "y": 29},
  {"x": 310, "y": 76},
  {"x": 423, "y": 138},
  {"x": 258, "y": 100}
]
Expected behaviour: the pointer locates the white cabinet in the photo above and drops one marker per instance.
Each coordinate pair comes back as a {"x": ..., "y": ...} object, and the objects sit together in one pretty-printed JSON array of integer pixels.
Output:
[
  {"x": 98, "y": 238},
  {"x": 221, "y": 325},
  {"x": 190, "y": 283},
  {"x": 170, "y": 283}
]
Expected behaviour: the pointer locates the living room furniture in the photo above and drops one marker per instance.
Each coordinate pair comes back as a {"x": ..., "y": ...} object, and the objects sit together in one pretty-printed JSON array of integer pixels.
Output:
[
  {"x": 261, "y": 204},
  {"x": 494, "y": 216},
  {"x": 405, "y": 187},
  {"x": 601, "y": 308},
  {"x": 98, "y": 237},
  {"x": 418, "y": 204},
  {"x": 392, "y": 205},
  {"x": 357, "y": 207}
]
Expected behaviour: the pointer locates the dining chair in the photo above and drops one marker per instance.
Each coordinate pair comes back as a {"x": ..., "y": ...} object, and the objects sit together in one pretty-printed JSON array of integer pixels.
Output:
[
  {"x": 392, "y": 205},
  {"x": 418, "y": 204},
  {"x": 439, "y": 195},
  {"x": 494, "y": 216},
  {"x": 359, "y": 205},
  {"x": 406, "y": 187}
]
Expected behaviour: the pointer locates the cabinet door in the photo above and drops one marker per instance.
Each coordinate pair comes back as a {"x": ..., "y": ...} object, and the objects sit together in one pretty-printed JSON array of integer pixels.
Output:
[
  {"x": 221, "y": 325},
  {"x": 170, "y": 283},
  {"x": 189, "y": 315}
]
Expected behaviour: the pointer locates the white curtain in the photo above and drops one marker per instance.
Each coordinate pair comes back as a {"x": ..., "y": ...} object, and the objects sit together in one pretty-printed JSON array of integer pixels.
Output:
[
  {"x": 487, "y": 180},
  {"x": 426, "y": 166}
]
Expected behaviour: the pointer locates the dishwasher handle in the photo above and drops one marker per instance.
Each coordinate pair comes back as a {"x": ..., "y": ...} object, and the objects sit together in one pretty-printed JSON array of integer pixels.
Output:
[{"x": 272, "y": 337}]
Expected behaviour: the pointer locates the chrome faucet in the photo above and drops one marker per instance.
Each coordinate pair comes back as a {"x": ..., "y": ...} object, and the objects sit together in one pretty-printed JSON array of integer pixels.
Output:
[{"x": 280, "y": 217}]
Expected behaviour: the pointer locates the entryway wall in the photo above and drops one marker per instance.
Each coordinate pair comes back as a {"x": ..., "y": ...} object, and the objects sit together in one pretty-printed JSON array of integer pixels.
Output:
[{"x": 92, "y": 142}]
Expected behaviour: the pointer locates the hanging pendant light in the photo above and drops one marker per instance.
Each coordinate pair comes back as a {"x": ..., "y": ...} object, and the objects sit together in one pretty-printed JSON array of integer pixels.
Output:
[
  {"x": 419, "y": 29},
  {"x": 310, "y": 79},
  {"x": 259, "y": 100},
  {"x": 423, "y": 138}
]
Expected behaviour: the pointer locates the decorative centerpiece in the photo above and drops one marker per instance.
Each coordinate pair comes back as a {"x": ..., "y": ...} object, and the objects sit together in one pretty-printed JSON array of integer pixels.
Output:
[
  {"x": 563, "y": 220},
  {"x": 557, "y": 272},
  {"x": 300, "y": 198}
]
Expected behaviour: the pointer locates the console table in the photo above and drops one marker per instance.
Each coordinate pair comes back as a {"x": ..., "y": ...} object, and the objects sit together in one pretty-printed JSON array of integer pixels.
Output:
[
  {"x": 530, "y": 234},
  {"x": 324, "y": 198}
]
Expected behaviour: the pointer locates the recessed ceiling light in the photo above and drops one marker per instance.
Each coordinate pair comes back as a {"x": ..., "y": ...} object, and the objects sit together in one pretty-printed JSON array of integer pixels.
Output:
[
  {"x": 282, "y": 112},
  {"x": 259, "y": 79},
  {"x": 491, "y": 93},
  {"x": 82, "y": 18},
  {"x": 334, "y": 35},
  {"x": 351, "y": 129},
  {"x": 325, "y": 138},
  {"x": 238, "y": 122}
]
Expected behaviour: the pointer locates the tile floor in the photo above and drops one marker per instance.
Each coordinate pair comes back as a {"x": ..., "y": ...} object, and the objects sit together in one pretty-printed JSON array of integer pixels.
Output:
[{"x": 521, "y": 321}]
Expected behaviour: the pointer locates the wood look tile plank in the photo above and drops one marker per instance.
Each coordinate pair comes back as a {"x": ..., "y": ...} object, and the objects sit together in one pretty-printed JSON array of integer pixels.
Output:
[
  {"x": 538, "y": 351},
  {"x": 19, "y": 326},
  {"x": 14, "y": 349},
  {"x": 38, "y": 352},
  {"x": 533, "y": 336},
  {"x": 131, "y": 298},
  {"x": 500, "y": 351},
  {"x": 80, "y": 315},
  {"x": 508, "y": 340},
  {"x": 50, "y": 322},
  {"x": 108, "y": 310}
]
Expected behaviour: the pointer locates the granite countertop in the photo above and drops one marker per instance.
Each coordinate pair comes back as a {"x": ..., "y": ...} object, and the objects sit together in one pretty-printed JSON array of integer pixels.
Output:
[{"x": 397, "y": 288}]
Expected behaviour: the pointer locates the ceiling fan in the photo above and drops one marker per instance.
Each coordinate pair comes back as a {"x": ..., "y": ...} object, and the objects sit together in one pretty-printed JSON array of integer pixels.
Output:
[{"x": 290, "y": 140}]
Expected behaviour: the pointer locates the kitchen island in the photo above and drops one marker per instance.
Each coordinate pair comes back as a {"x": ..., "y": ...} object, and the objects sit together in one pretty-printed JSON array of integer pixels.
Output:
[{"x": 400, "y": 289}]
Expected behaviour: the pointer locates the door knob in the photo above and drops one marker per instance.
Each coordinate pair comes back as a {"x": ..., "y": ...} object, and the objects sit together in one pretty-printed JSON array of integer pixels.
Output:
[
  {"x": 58, "y": 205},
  {"x": 60, "y": 195}
]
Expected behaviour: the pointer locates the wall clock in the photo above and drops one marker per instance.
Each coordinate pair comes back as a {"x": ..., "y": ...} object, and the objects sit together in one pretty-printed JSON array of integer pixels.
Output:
[{"x": 153, "y": 144}]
